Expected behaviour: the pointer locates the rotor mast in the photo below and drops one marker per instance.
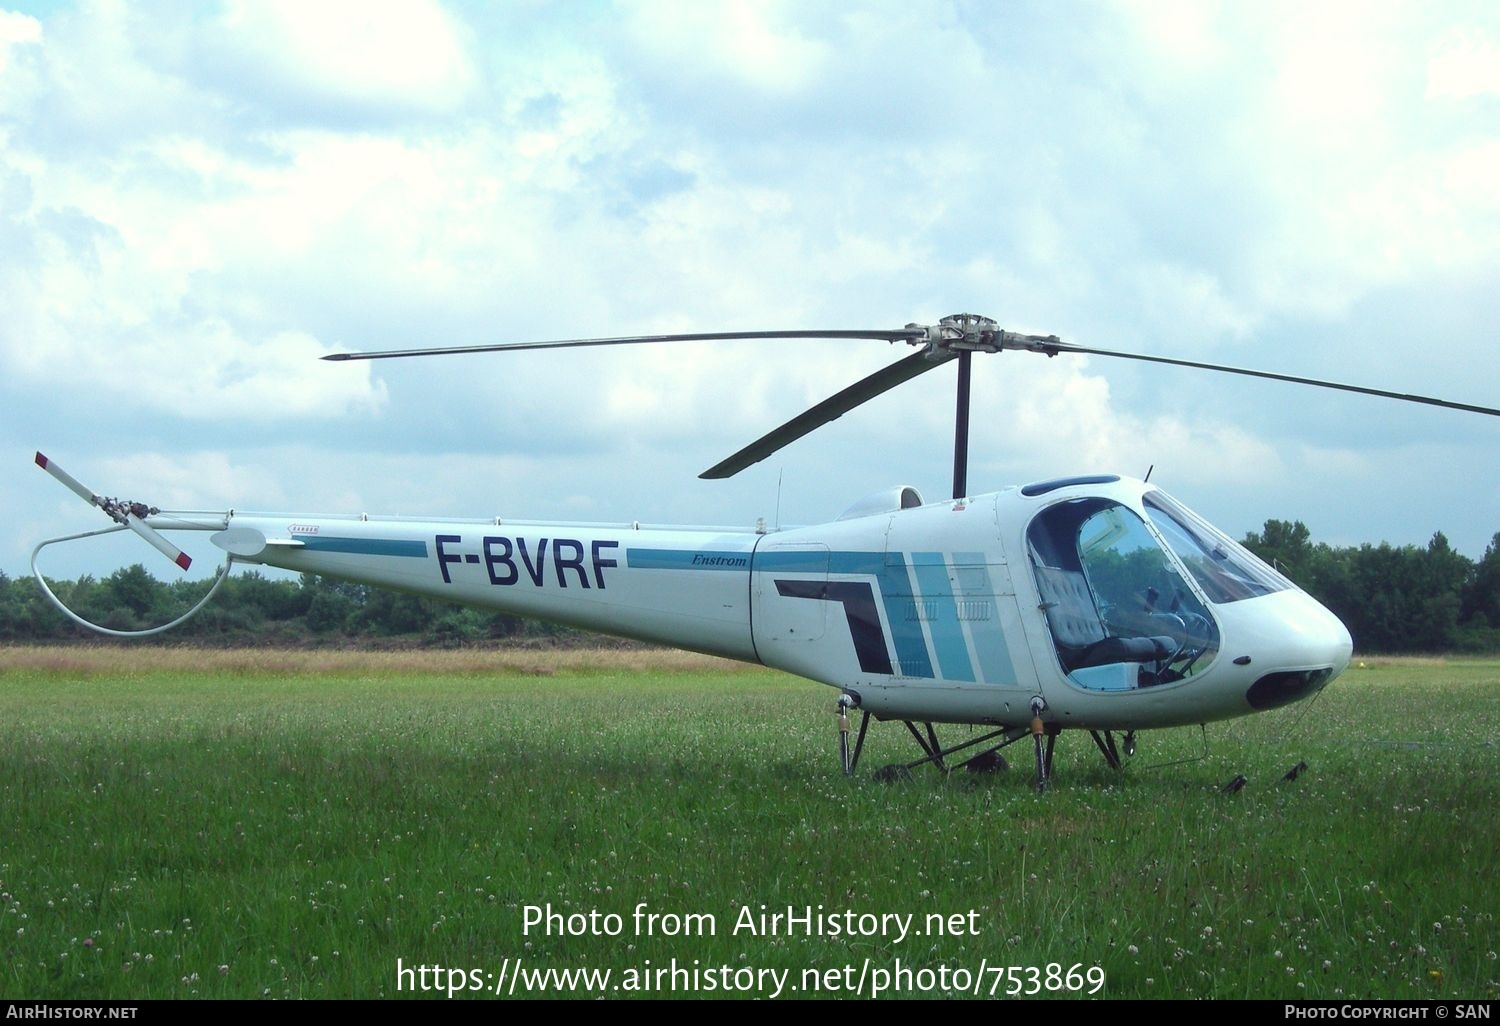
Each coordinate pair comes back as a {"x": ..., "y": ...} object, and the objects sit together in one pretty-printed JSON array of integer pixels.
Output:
[
  {"x": 961, "y": 428},
  {"x": 963, "y": 335}
]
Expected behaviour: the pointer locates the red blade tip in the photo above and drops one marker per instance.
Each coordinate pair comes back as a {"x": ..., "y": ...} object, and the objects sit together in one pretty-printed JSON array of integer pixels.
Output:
[
  {"x": 41, "y": 461},
  {"x": 184, "y": 560}
]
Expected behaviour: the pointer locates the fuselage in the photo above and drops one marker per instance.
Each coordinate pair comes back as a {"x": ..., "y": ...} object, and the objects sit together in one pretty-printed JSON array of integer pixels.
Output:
[{"x": 1101, "y": 595}]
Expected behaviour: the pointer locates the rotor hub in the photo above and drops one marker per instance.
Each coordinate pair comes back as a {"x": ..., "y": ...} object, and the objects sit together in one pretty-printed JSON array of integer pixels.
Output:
[
  {"x": 971, "y": 332},
  {"x": 974, "y": 333}
]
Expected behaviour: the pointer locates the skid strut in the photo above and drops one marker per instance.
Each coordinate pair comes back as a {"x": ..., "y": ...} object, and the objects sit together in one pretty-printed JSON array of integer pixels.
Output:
[
  {"x": 1106, "y": 746},
  {"x": 1038, "y": 731},
  {"x": 937, "y": 754},
  {"x": 929, "y": 744},
  {"x": 843, "y": 714},
  {"x": 847, "y": 759}
]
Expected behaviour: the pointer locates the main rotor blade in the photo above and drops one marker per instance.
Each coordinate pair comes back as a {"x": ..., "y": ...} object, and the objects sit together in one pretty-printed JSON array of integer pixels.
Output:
[
  {"x": 832, "y": 408},
  {"x": 898, "y": 335},
  {"x": 1052, "y": 349}
]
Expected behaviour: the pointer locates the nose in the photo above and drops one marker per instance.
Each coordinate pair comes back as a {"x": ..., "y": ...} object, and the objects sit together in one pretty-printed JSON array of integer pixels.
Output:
[{"x": 1313, "y": 649}]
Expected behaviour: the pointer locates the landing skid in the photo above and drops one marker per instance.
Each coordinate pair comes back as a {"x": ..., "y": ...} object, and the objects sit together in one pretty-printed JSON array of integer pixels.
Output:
[{"x": 933, "y": 752}]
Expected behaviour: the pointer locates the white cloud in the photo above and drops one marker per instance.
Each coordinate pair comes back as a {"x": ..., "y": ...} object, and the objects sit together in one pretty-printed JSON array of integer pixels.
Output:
[
  {"x": 396, "y": 54},
  {"x": 188, "y": 480},
  {"x": 1180, "y": 35},
  {"x": 1331, "y": 127},
  {"x": 747, "y": 41},
  {"x": 16, "y": 30},
  {"x": 111, "y": 311},
  {"x": 1466, "y": 65},
  {"x": 1190, "y": 303},
  {"x": 1333, "y": 71}
]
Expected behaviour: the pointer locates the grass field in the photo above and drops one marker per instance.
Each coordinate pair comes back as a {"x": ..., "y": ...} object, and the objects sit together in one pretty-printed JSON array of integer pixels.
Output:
[{"x": 179, "y": 823}]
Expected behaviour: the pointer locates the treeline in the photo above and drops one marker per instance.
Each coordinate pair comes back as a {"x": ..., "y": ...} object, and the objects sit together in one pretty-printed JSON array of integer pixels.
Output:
[
  {"x": 252, "y": 609},
  {"x": 1393, "y": 599}
]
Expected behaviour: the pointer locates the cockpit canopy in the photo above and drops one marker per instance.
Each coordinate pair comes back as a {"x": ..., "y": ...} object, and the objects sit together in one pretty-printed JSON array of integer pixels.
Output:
[{"x": 1116, "y": 590}]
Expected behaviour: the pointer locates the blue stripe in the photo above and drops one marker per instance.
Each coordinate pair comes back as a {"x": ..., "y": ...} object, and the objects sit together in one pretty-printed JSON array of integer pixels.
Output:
[
  {"x": 686, "y": 559},
  {"x": 364, "y": 546},
  {"x": 794, "y": 561},
  {"x": 995, "y": 666},
  {"x": 911, "y": 643},
  {"x": 947, "y": 632}
]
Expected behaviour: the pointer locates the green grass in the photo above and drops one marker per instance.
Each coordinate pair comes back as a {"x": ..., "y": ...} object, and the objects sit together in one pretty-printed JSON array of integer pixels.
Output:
[{"x": 177, "y": 823}]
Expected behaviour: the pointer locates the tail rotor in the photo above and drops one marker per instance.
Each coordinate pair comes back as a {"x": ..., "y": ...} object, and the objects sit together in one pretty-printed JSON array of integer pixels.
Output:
[{"x": 128, "y": 514}]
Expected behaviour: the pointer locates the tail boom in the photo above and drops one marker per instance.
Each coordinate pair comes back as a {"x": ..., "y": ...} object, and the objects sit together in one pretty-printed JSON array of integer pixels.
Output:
[{"x": 621, "y": 580}]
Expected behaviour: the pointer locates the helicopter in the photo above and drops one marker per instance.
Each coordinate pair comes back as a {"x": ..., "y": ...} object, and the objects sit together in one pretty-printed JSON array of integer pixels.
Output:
[{"x": 1094, "y": 602}]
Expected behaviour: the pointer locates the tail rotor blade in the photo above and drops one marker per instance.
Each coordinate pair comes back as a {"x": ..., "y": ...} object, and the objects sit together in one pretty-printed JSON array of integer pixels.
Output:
[
  {"x": 126, "y": 514},
  {"x": 159, "y": 543},
  {"x": 68, "y": 480}
]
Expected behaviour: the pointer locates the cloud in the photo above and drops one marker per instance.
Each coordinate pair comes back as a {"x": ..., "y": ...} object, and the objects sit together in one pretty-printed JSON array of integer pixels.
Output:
[
  {"x": 1466, "y": 65},
  {"x": 112, "y": 309},
  {"x": 337, "y": 60},
  {"x": 755, "y": 45},
  {"x": 16, "y": 30}
]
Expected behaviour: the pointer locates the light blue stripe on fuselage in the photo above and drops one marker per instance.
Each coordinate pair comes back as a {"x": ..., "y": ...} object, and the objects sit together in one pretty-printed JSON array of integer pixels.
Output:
[
  {"x": 988, "y": 636},
  {"x": 944, "y": 626}
]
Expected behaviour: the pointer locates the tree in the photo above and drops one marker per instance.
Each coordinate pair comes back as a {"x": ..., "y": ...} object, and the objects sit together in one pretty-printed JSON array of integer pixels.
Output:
[
  {"x": 1481, "y": 596},
  {"x": 1287, "y": 546},
  {"x": 132, "y": 588},
  {"x": 275, "y": 600},
  {"x": 332, "y": 604}
]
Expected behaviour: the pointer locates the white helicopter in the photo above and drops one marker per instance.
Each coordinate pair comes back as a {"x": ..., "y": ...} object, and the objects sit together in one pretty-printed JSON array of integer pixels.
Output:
[{"x": 1097, "y": 603}]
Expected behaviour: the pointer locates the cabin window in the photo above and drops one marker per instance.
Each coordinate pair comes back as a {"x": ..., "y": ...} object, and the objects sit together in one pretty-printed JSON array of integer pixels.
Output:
[{"x": 1121, "y": 614}]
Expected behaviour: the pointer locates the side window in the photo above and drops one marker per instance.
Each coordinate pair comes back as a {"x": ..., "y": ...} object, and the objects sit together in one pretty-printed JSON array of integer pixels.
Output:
[{"x": 1120, "y": 613}]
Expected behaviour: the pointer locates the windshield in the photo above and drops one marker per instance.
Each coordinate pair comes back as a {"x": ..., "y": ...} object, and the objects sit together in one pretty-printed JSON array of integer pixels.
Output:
[{"x": 1223, "y": 568}]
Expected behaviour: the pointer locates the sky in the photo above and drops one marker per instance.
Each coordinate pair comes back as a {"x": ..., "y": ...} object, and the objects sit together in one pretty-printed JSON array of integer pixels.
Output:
[{"x": 198, "y": 201}]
